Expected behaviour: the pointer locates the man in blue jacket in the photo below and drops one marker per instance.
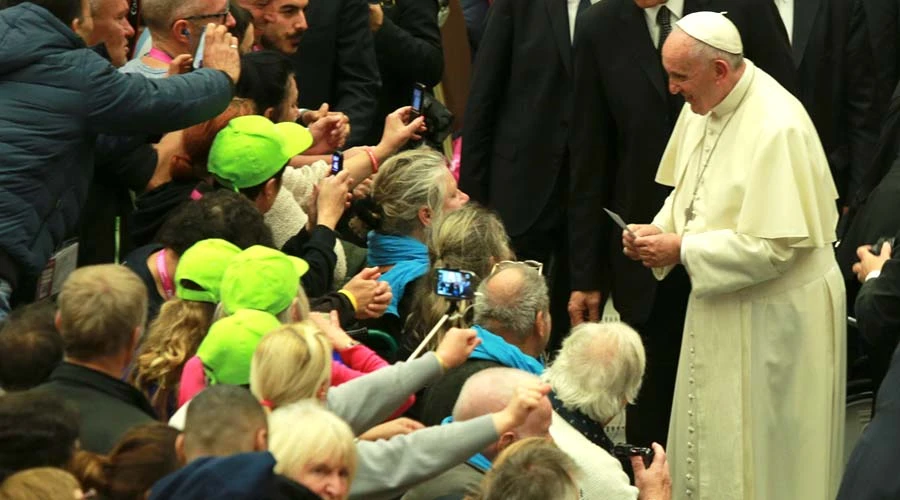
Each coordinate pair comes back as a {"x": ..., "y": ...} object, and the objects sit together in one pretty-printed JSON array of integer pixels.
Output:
[{"x": 55, "y": 97}]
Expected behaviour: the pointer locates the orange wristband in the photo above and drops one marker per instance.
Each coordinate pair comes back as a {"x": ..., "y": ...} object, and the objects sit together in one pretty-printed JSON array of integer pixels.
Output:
[{"x": 371, "y": 153}]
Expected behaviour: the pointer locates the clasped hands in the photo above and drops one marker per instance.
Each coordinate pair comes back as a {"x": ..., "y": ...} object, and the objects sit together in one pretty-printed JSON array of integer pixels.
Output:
[{"x": 651, "y": 246}]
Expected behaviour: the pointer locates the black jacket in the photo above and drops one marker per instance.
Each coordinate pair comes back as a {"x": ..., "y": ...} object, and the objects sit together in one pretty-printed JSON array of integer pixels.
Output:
[
  {"x": 439, "y": 399},
  {"x": 57, "y": 96},
  {"x": 336, "y": 63},
  {"x": 108, "y": 406},
  {"x": 517, "y": 117},
  {"x": 408, "y": 49},
  {"x": 625, "y": 117}
]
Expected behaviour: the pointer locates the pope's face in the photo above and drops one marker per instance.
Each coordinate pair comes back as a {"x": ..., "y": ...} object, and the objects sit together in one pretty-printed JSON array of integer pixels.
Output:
[{"x": 690, "y": 75}]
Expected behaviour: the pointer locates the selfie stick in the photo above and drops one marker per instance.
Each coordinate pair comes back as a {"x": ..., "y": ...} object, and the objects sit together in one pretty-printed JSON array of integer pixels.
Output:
[{"x": 428, "y": 337}]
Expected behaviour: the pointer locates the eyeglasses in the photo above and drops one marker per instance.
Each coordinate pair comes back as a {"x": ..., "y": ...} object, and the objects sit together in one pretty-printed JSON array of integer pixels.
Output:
[
  {"x": 223, "y": 15},
  {"x": 531, "y": 264}
]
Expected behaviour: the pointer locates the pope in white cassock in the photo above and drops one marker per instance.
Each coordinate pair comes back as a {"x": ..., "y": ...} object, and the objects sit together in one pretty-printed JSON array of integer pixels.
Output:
[{"x": 759, "y": 400}]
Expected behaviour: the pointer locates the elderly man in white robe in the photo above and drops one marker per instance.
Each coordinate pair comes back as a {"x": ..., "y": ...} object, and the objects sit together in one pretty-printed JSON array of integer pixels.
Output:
[{"x": 759, "y": 401}]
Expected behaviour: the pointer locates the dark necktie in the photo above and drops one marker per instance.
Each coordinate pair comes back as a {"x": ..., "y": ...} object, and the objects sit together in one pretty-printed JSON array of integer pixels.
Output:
[
  {"x": 582, "y": 6},
  {"x": 664, "y": 21}
]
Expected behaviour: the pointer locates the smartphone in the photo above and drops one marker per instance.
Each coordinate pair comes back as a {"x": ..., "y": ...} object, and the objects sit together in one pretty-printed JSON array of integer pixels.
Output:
[
  {"x": 337, "y": 162},
  {"x": 627, "y": 450},
  {"x": 198, "y": 55},
  {"x": 876, "y": 248},
  {"x": 454, "y": 284},
  {"x": 418, "y": 99}
]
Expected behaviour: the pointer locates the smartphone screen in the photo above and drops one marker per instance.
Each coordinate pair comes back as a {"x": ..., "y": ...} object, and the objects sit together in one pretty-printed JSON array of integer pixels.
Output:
[
  {"x": 454, "y": 284},
  {"x": 418, "y": 96},
  {"x": 198, "y": 56},
  {"x": 337, "y": 162}
]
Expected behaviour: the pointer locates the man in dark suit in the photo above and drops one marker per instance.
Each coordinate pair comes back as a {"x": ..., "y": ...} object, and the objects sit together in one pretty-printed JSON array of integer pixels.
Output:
[
  {"x": 336, "y": 63},
  {"x": 515, "y": 133},
  {"x": 835, "y": 74},
  {"x": 624, "y": 119}
]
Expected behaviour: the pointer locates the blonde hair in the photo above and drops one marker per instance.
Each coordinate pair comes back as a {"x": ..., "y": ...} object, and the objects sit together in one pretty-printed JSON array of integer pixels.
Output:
[
  {"x": 305, "y": 431},
  {"x": 407, "y": 182},
  {"x": 171, "y": 340},
  {"x": 291, "y": 364},
  {"x": 471, "y": 238},
  {"x": 39, "y": 483},
  {"x": 530, "y": 468},
  {"x": 99, "y": 309}
]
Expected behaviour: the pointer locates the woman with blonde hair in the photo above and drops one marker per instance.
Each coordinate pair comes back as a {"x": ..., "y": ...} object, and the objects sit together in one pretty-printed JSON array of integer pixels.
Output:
[
  {"x": 320, "y": 454},
  {"x": 411, "y": 192},
  {"x": 291, "y": 364},
  {"x": 472, "y": 239},
  {"x": 42, "y": 483}
]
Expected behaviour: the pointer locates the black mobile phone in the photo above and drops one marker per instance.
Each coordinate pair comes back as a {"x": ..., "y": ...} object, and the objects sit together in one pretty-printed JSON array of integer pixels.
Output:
[
  {"x": 337, "y": 162},
  {"x": 627, "y": 450},
  {"x": 418, "y": 99},
  {"x": 876, "y": 248},
  {"x": 454, "y": 284}
]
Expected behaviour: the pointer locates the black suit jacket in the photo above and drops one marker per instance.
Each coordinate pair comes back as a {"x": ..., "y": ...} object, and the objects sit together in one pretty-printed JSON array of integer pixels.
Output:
[
  {"x": 336, "y": 63},
  {"x": 835, "y": 70},
  {"x": 408, "y": 47},
  {"x": 517, "y": 116},
  {"x": 624, "y": 119},
  {"x": 871, "y": 472}
]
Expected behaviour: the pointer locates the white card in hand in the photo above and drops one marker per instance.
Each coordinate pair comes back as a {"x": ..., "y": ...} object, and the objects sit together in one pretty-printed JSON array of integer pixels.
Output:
[{"x": 619, "y": 221}]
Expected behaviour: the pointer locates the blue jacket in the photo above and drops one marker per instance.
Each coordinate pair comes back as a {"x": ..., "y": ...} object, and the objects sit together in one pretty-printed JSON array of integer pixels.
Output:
[{"x": 56, "y": 95}]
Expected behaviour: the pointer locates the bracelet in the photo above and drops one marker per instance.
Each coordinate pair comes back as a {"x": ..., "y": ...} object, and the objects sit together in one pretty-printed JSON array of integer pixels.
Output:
[
  {"x": 371, "y": 153},
  {"x": 440, "y": 361},
  {"x": 350, "y": 297}
]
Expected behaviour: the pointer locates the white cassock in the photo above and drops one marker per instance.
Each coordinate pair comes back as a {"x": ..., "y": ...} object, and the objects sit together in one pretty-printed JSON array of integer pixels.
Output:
[{"x": 759, "y": 399}]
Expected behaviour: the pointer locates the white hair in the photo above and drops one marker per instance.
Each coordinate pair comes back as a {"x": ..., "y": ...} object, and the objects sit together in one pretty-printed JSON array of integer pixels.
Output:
[
  {"x": 599, "y": 366},
  {"x": 489, "y": 391},
  {"x": 305, "y": 431},
  {"x": 512, "y": 305}
]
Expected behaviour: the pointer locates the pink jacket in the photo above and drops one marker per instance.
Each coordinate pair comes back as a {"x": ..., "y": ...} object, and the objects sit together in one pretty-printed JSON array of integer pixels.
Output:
[{"x": 357, "y": 361}]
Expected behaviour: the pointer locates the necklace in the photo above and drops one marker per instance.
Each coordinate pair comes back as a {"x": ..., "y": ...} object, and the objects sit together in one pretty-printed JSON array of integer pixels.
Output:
[{"x": 689, "y": 212}]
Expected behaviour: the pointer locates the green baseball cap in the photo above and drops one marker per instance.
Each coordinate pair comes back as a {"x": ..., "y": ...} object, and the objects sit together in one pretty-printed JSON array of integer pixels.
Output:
[
  {"x": 200, "y": 269},
  {"x": 261, "y": 278},
  {"x": 252, "y": 149},
  {"x": 228, "y": 348}
]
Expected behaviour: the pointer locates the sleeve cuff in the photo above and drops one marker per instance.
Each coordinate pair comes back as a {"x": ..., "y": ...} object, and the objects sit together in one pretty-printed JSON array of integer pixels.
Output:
[{"x": 873, "y": 274}]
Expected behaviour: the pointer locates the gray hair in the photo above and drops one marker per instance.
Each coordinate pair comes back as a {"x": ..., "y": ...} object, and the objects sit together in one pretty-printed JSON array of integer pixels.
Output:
[
  {"x": 489, "y": 391},
  {"x": 599, "y": 366},
  {"x": 512, "y": 308},
  {"x": 407, "y": 182},
  {"x": 706, "y": 52},
  {"x": 160, "y": 15}
]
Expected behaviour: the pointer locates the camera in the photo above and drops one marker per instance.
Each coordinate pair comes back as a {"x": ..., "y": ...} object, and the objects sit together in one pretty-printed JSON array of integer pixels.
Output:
[
  {"x": 628, "y": 450},
  {"x": 454, "y": 284},
  {"x": 876, "y": 248}
]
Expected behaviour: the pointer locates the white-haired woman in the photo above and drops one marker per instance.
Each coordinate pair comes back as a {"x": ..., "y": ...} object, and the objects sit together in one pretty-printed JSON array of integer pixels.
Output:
[
  {"x": 291, "y": 364},
  {"x": 320, "y": 454}
]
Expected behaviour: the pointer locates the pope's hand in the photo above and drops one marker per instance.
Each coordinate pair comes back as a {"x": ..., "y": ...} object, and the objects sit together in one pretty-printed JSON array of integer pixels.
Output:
[
  {"x": 659, "y": 250},
  {"x": 639, "y": 230}
]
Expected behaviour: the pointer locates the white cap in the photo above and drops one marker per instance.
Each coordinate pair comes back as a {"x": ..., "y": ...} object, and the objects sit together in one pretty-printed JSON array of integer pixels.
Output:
[{"x": 714, "y": 29}]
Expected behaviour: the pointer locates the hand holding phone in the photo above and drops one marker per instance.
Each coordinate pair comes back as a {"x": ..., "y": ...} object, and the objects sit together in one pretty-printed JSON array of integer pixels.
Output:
[{"x": 627, "y": 450}]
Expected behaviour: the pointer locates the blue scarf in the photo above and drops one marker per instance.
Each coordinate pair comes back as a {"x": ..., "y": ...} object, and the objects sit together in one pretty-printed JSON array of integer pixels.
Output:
[
  {"x": 494, "y": 348},
  {"x": 409, "y": 257},
  {"x": 477, "y": 460}
]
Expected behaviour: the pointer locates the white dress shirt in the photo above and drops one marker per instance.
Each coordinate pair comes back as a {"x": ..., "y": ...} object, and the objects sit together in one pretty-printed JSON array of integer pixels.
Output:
[
  {"x": 573, "y": 11},
  {"x": 786, "y": 11},
  {"x": 676, "y": 7}
]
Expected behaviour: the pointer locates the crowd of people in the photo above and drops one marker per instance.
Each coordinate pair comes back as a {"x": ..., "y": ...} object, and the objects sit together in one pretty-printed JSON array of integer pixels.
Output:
[{"x": 239, "y": 259}]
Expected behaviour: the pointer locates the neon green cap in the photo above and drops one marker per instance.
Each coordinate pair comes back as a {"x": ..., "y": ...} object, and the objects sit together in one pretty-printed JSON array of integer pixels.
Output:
[
  {"x": 261, "y": 278},
  {"x": 200, "y": 269},
  {"x": 227, "y": 349},
  {"x": 251, "y": 149}
]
